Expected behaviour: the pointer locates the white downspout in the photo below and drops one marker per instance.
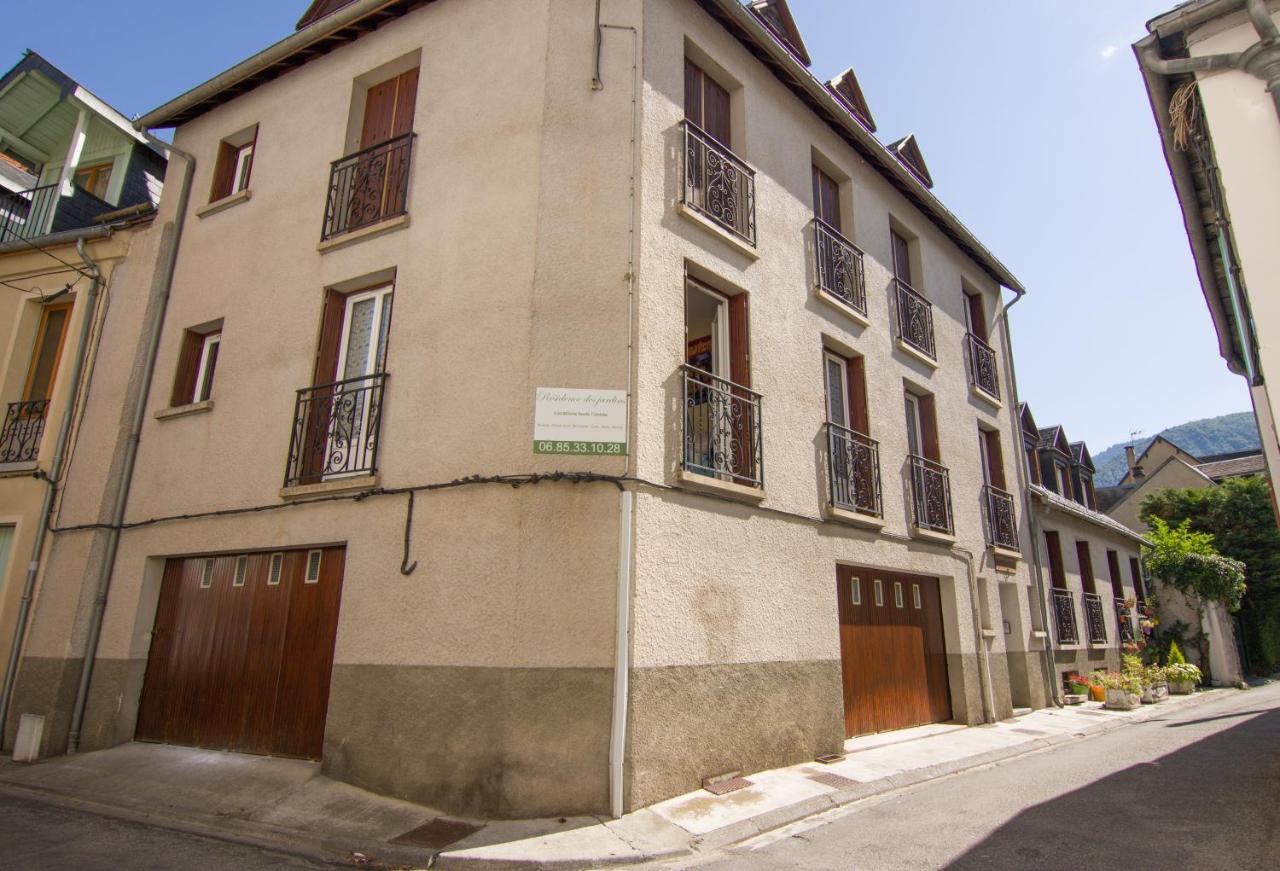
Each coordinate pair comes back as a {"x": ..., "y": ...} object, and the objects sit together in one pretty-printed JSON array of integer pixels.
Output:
[{"x": 622, "y": 659}]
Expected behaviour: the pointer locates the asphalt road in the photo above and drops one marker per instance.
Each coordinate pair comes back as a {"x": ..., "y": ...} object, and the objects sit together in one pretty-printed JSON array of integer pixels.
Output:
[{"x": 1197, "y": 789}]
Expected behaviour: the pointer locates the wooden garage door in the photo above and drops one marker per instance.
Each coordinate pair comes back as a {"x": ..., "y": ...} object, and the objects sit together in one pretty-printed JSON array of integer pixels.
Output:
[
  {"x": 892, "y": 651},
  {"x": 242, "y": 652}
]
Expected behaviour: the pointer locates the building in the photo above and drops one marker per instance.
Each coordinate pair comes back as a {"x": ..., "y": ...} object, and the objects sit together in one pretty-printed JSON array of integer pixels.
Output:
[
  {"x": 684, "y": 453},
  {"x": 77, "y": 185},
  {"x": 1093, "y": 615},
  {"x": 1212, "y": 72}
]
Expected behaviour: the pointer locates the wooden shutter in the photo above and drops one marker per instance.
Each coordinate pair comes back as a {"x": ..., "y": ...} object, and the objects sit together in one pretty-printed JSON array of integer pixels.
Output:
[
  {"x": 379, "y": 113},
  {"x": 47, "y": 353},
  {"x": 856, "y": 369},
  {"x": 335, "y": 309},
  {"x": 1135, "y": 569},
  {"x": 901, "y": 257},
  {"x": 739, "y": 351},
  {"x": 977, "y": 315},
  {"x": 1113, "y": 569},
  {"x": 929, "y": 428},
  {"x": 826, "y": 198},
  {"x": 1086, "y": 566},
  {"x": 1054, "y": 545},
  {"x": 706, "y": 104},
  {"x": 995, "y": 459},
  {"x": 184, "y": 380},
  {"x": 406, "y": 100},
  {"x": 692, "y": 92},
  {"x": 224, "y": 172}
]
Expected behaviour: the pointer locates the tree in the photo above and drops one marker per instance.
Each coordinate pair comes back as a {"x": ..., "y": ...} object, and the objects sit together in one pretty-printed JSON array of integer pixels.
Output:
[
  {"x": 1239, "y": 516},
  {"x": 1187, "y": 561}
]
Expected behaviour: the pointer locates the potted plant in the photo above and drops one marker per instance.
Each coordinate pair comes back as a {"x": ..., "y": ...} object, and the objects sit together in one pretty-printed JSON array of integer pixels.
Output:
[
  {"x": 1097, "y": 690},
  {"x": 1183, "y": 677},
  {"x": 1123, "y": 691},
  {"x": 1077, "y": 685},
  {"x": 1155, "y": 685}
]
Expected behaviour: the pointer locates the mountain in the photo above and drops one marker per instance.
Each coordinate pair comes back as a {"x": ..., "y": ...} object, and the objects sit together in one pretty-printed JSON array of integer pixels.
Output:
[{"x": 1213, "y": 435}]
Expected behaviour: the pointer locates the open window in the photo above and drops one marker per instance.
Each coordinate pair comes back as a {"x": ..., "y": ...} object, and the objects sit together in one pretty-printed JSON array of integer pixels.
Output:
[
  {"x": 197, "y": 364},
  {"x": 234, "y": 167},
  {"x": 922, "y": 426},
  {"x": 853, "y": 456},
  {"x": 992, "y": 458},
  {"x": 930, "y": 480}
]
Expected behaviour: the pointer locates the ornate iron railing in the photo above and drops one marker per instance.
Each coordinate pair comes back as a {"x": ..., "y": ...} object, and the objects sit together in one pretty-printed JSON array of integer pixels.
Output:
[
  {"x": 718, "y": 185},
  {"x": 27, "y": 214},
  {"x": 931, "y": 495},
  {"x": 838, "y": 267},
  {"x": 335, "y": 430},
  {"x": 1093, "y": 618},
  {"x": 23, "y": 429},
  {"x": 722, "y": 429},
  {"x": 853, "y": 466},
  {"x": 1064, "y": 615},
  {"x": 369, "y": 186},
  {"x": 1125, "y": 622},
  {"x": 982, "y": 365},
  {"x": 1001, "y": 522},
  {"x": 915, "y": 319}
]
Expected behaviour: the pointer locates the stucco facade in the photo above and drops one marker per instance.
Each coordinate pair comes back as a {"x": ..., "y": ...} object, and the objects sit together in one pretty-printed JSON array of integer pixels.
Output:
[{"x": 544, "y": 246}]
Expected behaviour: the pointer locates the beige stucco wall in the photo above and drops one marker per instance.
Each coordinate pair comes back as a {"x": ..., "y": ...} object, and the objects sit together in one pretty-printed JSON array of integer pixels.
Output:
[{"x": 1172, "y": 473}]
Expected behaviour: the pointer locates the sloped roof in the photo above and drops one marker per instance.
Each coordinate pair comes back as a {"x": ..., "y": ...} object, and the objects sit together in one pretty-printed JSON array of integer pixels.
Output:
[
  {"x": 907, "y": 150},
  {"x": 847, "y": 90},
  {"x": 1054, "y": 437},
  {"x": 319, "y": 9},
  {"x": 1055, "y": 502},
  {"x": 1080, "y": 456},
  {"x": 776, "y": 16},
  {"x": 1249, "y": 464},
  {"x": 1028, "y": 422}
]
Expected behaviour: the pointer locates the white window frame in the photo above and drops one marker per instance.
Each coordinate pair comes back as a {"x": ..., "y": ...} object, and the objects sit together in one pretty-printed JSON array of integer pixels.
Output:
[
  {"x": 855, "y": 591},
  {"x": 314, "y": 557},
  {"x": 205, "y": 372},
  {"x": 206, "y": 574},
  {"x": 878, "y": 587},
  {"x": 242, "y": 571},
  {"x": 276, "y": 570},
  {"x": 915, "y": 432},
  {"x": 244, "y": 168},
  {"x": 915, "y": 596},
  {"x": 830, "y": 359},
  {"x": 897, "y": 594},
  {"x": 720, "y": 350}
]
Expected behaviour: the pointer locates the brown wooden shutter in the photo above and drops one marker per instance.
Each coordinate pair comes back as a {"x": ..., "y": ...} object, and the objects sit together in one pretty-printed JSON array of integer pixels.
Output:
[
  {"x": 1086, "y": 567},
  {"x": 901, "y": 257},
  {"x": 1135, "y": 569},
  {"x": 995, "y": 459},
  {"x": 224, "y": 172},
  {"x": 929, "y": 429},
  {"x": 692, "y": 92},
  {"x": 856, "y": 369},
  {"x": 715, "y": 103},
  {"x": 1113, "y": 569},
  {"x": 335, "y": 308},
  {"x": 826, "y": 198},
  {"x": 739, "y": 346},
  {"x": 184, "y": 381},
  {"x": 1054, "y": 545},
  {"x": 406, "y": 100},
  {"x": 977, "y": 315},
  {"x": 379, "y": 113}
]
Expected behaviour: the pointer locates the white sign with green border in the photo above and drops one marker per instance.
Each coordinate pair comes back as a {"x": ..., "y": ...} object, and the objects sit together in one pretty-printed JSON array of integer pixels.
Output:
[{"x": 569, "y": 420}]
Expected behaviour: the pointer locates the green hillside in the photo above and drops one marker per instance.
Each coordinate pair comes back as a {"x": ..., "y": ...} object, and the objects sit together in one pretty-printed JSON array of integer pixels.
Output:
[{"x": 1213, "y": 435}]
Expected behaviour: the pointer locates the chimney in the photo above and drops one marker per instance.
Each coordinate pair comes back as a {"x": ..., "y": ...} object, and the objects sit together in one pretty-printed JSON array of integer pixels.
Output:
[{"x": 1130, "y": 457}]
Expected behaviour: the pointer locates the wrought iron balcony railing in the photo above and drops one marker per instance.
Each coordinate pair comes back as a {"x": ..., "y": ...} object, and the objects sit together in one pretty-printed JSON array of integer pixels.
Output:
[
  {"x": 853, "y": 464},
  {"x": 1093, "y": 618},
  {"x": 982, "y": 365},
  {"x": 27, "y": 214},
  {"x": 1002, "y": 525},
  {"x": 722, "y": 436},
  {"x": 335, "y": 430},
  {"x": 1064, "y": 615},
  {"x": 839, "y": 267},
  {"x": 931, "y": 495},
  {"x": 1125, "y": 622},
  {"x": 23, "y": 429},
  {"x": 368, "y": 187},
  {"x": 915, "y": 319},
  {"x": 718, "y": 185}
]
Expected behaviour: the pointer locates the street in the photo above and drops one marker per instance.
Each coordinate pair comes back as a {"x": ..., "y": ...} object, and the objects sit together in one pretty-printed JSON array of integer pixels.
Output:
[{"x": 1197, "y": 789}]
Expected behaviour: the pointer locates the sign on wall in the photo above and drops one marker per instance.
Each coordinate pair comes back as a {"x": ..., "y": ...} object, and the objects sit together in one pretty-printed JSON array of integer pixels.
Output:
[{"x": 567, "y": 420}]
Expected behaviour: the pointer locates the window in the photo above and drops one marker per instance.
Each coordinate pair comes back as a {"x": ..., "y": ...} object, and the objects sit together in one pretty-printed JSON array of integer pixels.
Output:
[
  {"x": 234, "y": 166},
  {"x": 277, "y": 565},
  {"x": 922, "y": 426},
  {"x": 915, "y": 597},
  {"x": 206, "y": 574},
  {"x": 94, "y": 179},
  {"x": 1054, "y": 545},
  {"x": 992, "y": 457},
  {"x": 901, "y": 257},
  {"x": 47, "y": 353},
  {"x": 1135, "y": 571},
  {"x": 846, "y": 383},
  {"x": 1113, "y": 569},
  {"x": 313, "y": 567},
  {"x": 897, "y": 594},
  {"x": 1085, "y": 559},
  {"x": 826, "y": 199},
  {"x": 855, "y": 594},
  {"x": 197, "y": 362},
  {"x": 242, "y": 571},
  {"x": 878, "y": 587},
  {"x": 975, "y": 317},
  {"x": 706, "y": 103}
]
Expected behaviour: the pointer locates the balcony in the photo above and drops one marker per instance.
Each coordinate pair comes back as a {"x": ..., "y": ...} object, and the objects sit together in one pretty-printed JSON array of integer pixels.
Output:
[
  {"x": 721, "y": 430},
  {"x": 335, "y": 430},
  {"x": 1093, "y": 618},
  {"x": 1125, "y": 622},
  {"x": 29, "y": 214},
  {"x": 368, "y": 187},
  {"x": 915, "y": 320},
  {"x": 838, "y": 267},
  {"x": 931, "y": 496},
  {"x": 1001, "y": 523},
  {"x": 981, "y": 358},
  {"x": 23, "y": 429},
  {"x": 718, "y": 185},
  {"x": 853, "y": 464},
  {"x": 1064, "y": 616}
]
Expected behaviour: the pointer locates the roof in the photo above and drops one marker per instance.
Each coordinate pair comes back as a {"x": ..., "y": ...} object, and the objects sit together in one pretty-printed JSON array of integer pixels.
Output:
[
  {"x": 1054, "y": 437},
  {"x": 1122, "y": 493},
  {"x": 1080, "y": 455},
  {"x": 1028, "y": 422},
  {"x": 1249, "y": 464},
  {"x": 1054, "y": 502},
  {"x": 358, "y": 17},
  {"x": 847, "y": 90},
  {"x": 319, "y": 9},
  {"x": 908, "y": 151},
  {"x": 777, "y": 17}
]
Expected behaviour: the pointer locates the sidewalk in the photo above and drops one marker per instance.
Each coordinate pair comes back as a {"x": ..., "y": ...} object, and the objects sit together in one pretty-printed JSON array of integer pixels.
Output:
[{"x": 287, "y": 805}]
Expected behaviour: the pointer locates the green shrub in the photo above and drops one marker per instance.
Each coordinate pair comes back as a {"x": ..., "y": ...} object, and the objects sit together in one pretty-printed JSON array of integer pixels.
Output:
[
  {"x": 1114, "y": 680},
  {"x": 1183, "y": 671},
  {"x": 1133, "y": 666},
  {"x": 1175, "y": 655}
]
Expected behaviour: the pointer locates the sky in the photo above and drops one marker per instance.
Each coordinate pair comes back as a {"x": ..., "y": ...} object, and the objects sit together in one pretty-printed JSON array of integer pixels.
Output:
[{"x": 1031, "y": 115}]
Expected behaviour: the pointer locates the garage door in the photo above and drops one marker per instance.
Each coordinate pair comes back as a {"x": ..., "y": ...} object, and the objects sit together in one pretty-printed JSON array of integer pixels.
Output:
[
  {"x": 242, "y": 652},
  {"x": 892, "y": 651}
]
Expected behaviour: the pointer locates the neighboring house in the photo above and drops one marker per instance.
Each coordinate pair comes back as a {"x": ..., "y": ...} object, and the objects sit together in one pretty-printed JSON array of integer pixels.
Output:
[
  {"x": 1212, "y": 72},
  {"x": 1090, "y": 566},
  {"x": 342, "y": 541},
  {"x": 61, "y": 247}
]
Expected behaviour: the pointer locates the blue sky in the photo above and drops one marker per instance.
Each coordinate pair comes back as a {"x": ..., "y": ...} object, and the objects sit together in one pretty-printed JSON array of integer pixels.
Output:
[{"x": 1032, "y": 118}]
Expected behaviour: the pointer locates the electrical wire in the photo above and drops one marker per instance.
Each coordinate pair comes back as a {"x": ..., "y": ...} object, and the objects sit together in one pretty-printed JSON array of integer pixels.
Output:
[{"x": 83, "y": 274}]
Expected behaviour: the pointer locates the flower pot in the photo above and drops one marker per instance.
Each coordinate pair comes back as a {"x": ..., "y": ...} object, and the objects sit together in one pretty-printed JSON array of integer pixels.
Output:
[
  {"x": 1122, "y": 700},
  {"x": 1097, "y": 692},
  {"x": 1161, "y": 691},
  {"x": 1182, "y": 687},
  {"x": 1079, "y": 689},
  {"x": 1148, "y": 694}
]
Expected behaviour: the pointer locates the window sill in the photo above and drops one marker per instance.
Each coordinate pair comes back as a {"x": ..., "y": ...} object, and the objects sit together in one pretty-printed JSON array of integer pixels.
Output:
[
  {"x": 915, "y": 354},
  {"x": 843, "y": 307},
  {"x": 931, "y": 535},
  {"x": 184, "y": 410},
  {"x": 1039, "y": 634},
  {"x": 225, "y": 203},
  {"x": 989, "y": 633},
  {"x": 853, "y": 518},
  {"x": 985, "y": 397},
  {"x": 387, "y": 226},
  {"x": 1006, "y": 552},
  {"x": 707, "y": 484},
  {"x": 16, "y": 470},
  {"x": 338, "y": 485},
  {"x": 741, "y": 246}
]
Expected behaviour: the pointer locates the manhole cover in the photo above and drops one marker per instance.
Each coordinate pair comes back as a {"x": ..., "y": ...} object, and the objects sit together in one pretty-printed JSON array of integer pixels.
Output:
[
  {"x": 835, "y": 781},
  {"x": 724, "y": 787},
  {"x": 437, "y": 834}
]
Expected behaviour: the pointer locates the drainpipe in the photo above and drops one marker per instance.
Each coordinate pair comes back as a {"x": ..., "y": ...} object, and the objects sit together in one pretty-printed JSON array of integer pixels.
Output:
[
  {"x": 107, "y": 567},
  {"x": 984, "y": 652},
  {"x": 55, "y": 476}
]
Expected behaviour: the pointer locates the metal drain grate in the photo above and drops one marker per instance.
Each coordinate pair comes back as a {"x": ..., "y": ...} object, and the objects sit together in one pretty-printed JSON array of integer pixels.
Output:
[
  {"x": 829, "y": 758},
  {"x": 724, "y": 787},
  {"x": 835, "y": 781},
  {"x": 437, "y": 834}
]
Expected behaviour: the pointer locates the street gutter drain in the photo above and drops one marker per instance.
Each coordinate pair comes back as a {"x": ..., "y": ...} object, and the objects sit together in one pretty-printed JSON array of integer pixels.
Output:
[
  {"x": 437, "y": 834},
  {"x": 723, "y": 784},
  {"x": 829, "y": 758},
  {"x": 835, "y": 781}
]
